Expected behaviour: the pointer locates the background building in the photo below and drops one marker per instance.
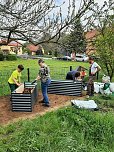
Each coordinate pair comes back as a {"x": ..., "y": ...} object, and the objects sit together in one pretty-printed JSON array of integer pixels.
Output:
[
  {"x": 90, "y": 37},
  {"x": 11, "y": 48},
  {"x": 35, "y": 50}
]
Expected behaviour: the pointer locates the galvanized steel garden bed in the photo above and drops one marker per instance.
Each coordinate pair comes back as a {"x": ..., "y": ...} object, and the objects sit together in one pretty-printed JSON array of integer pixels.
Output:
[
  {"x": 24, "y": 102},
  {"x": 65, "y": 87}
]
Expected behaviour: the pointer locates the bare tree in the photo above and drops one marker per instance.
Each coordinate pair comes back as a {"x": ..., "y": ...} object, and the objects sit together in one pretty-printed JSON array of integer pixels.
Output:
[
  {"x": 30, "y": 20},
  {"x": 100, "y": 16}
]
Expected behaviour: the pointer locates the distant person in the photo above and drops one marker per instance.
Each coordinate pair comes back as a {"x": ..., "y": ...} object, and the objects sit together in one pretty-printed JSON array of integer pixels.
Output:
[
  {"x": 14, "y": 80},
  {"x": 94, "y": 68},
  {"x": 44, "y": 77}
]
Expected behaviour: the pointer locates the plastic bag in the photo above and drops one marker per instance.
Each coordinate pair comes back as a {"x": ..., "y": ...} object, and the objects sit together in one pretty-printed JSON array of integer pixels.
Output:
[
  {"x": 85, "y": 104},
  {"x": 111, "y": 87},
  {"x": 106, "y": 79}
]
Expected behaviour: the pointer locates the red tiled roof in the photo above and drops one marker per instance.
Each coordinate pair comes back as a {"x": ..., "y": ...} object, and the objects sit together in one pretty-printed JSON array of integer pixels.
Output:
[
  {"x": 12, "y": 43},
  {"x": 32, "y": 47},
  {"x": 91, "y": 34},
  {"x": 3, "y": 42}
]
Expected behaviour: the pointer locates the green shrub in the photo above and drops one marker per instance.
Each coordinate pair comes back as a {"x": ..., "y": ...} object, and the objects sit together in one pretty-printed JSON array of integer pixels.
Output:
[
  {"x": 11, "y": 57},
  {"x": 55, "y": 53},
  {"x": 1, "y": 57}
]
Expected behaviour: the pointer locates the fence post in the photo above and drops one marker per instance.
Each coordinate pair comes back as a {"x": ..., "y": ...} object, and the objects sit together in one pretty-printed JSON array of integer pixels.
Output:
[
  {"x": 97, "y": 75},
  {"x": 70, "y": 68},
  {"x": 28, "y": 74}
]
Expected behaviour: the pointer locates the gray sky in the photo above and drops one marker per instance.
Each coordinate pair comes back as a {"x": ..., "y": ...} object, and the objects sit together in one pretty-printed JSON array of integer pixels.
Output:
[{"x": 65, "y": 6}]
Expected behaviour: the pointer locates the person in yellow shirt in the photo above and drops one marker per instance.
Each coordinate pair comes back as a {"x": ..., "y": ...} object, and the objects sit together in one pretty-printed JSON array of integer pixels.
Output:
[{"x": 14, "y": 80}]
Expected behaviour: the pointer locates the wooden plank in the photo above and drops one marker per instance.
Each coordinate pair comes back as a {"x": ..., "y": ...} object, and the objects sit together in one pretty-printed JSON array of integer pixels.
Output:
[{"x": 20, "y": 89}]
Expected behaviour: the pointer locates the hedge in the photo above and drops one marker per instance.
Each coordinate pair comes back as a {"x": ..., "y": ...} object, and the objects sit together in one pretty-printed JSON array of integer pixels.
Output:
[
  {"x": 8, "y": 57},
  {"x": 1, "y": 57},
  {"x": 11, "y": 57}
]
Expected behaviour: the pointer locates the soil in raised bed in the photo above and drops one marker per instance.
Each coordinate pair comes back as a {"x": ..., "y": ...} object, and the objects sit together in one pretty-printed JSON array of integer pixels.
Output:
[{"x": 7, "y": 116}]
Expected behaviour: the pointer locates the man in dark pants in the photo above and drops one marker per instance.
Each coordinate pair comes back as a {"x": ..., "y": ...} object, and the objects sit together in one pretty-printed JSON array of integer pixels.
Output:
[{"x": 94, "y": 68}]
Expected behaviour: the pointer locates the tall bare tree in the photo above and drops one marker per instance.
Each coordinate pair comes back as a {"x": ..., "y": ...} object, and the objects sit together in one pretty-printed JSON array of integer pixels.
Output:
[
  {"x": 100, "y": 16},
  {"x": 29, "y": 20}
]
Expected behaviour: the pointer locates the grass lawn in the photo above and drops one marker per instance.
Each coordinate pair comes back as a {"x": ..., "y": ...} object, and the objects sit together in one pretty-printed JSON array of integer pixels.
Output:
[
  {"x": 65, "y": 130},
  {"x": 30, "y": 63},
  {"x": 58, "y": 69}
]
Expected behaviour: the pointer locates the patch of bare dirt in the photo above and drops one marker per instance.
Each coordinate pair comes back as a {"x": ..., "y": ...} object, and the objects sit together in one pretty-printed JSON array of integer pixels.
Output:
[{"x": 7, "y": 116}]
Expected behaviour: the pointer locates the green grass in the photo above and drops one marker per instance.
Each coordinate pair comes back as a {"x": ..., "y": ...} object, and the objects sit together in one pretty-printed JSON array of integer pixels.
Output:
[
  {"x": 66, "y": 130},
  {"x": 58, "y": 69},
  {"x": 33, "y": 63},
  {"x": 106, "y": 101}
]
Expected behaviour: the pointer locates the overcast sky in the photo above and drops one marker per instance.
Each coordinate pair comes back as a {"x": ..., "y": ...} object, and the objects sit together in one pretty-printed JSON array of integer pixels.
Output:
[
  {"x": 100, "y": 2},
  {"x": 65, "y": 6}
]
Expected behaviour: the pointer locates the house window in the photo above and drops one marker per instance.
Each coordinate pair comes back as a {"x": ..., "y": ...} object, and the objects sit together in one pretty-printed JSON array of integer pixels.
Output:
[
  {"x": 5, "y": 52},
  {"x": 12, "y": 49},
  {"x": 19, "y": 50}
]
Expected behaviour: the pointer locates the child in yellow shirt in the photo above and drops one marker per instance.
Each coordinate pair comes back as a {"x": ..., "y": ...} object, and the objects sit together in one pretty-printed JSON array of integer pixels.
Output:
[{"x": 14, "y": 80}]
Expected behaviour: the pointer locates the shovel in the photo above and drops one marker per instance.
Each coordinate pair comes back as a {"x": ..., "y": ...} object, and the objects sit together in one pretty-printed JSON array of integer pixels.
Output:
[{"x": 33, "y": 81}]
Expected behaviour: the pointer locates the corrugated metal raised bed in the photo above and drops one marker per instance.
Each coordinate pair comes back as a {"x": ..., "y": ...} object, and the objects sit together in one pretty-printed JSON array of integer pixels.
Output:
[
  {"x": 24, "y": 97},
  {"x": 65, "y": 87}
]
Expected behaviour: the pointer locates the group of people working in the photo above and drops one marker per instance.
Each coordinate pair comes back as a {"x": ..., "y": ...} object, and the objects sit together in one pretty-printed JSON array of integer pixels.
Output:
[{"x": 44, "y": 76}]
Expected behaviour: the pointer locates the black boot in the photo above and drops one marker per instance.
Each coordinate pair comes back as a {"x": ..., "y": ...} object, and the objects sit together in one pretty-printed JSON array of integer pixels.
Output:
[{"x": 42, "y": 101}]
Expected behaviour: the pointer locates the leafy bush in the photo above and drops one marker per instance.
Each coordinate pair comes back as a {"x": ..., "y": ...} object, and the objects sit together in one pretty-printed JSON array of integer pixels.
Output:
[
  {"x": 1, "y": 57},
  {"x": 104, "y": 45},
  {"x": 11, "y": 57},
  {"x": 55, "y": 53}
]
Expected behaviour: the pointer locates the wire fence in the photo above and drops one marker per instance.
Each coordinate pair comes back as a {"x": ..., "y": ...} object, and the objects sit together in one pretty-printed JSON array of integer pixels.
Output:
[{"x": 58, "y": 73}]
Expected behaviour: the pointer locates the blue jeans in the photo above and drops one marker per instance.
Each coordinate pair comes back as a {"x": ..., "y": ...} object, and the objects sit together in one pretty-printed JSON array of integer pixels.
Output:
[{"x": 44, "y": 87}]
